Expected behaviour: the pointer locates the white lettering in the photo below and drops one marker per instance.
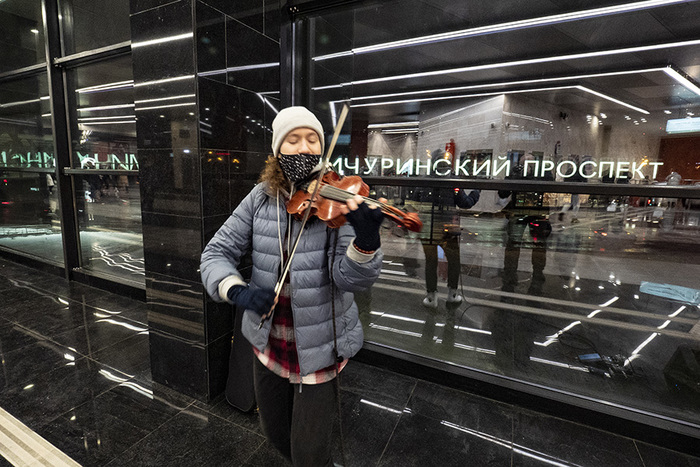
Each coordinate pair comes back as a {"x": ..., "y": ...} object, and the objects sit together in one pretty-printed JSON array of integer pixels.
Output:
[
  {"x": 406, "y": 168},
  {"x": 461, "y": 166},
  {"x": 486, "y": 165},
  {"x": 338, "y": 165},
  {"x": 419, "y": 166},
  {"x": 582, "y": 169},
  {"x": 387, "y": 164},
  {"x": 560, "y": 167},
  {"x": 602, "y": 165},
  {"x": 656, "y": 166},
  {"x": 355, "y": 168},
  {"x": 547, "y": 166},
  {"x": 371, "y": 162},
  {"x": 496, "y": 169},
  {"x": 622, "y": 170},
  {"x": 442, "y": 173},
  {"x": 528, "y": 162},
  {"x": 637, "y": 171}
]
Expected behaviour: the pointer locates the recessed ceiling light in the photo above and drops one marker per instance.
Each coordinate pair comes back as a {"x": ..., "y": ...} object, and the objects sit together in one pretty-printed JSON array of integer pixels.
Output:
[{"x": 667, "y": 112}]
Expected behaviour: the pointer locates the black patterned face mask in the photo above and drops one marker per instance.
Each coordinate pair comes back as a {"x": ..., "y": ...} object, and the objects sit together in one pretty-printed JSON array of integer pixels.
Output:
[{"x": 297, "y": 167}]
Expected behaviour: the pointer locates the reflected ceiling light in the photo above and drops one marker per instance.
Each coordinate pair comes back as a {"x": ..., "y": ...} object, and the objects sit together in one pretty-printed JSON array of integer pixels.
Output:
[
  {"x": 393, "y": 125},
  {"x": 165, "y": 106},
  {"x": 667, "y": 112},
  {"x": 108, "y": 123},
  {"x": 164, "y": 80},
  {"x": 495, "y": 93},
  {"x": 504, "y": 27},
  {"x": 531, "y": 61},
  {"x": 269, "y": 104},
  {"x": 35, "y": 31},
  {"x": 399, "y": 132},
  {"x": 182, "y": 96},
  {"x": 106, "y": 107},
  {"x": 162, "y": 40},
  {"x": 234, "y": 69},
  {"x": 612, "y": 99},
  {"x": 107, "y": 87},
  {"x": 114, "y": 117},
  {"x": 682, "y": 80},
  {"x": 13, "y": 104}
]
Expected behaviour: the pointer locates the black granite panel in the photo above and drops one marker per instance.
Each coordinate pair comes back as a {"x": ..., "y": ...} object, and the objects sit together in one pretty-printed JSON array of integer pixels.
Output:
[
  {"x": 14, "y": 337},
  {"x": 44, "y": 397},
  {"x": 170, "y": 122},
  {"x": 219, "y": 320},
  {"x": 212, "y": 225},
  {"x": 176, "y": 307},
  {"x": 137, "y": 6},
  {"x": 179, "y": 364},
  {"x": 215, "y": 167},
  {"x": 231, "y": 119},
  {"x": 542, "y": 437},
  {"x": 172, "y": 245},
  {"x": 127, "y": 356},
  {"x": 124, "y": 307},
  {"x": 654, "y": 455},
  {"x": 170, "y": 182},
  {"x": 102, "y": 331},
  {"x": 71, "y": 290},
  {"x": 21, "y": 365},
  {"x": 273, "y": 19},
  {"x": 211, "y": 42},
  {"x": 193, "y": 437},
  {"x": 252, "y": 58},
  {"x": 249, "y": 12},
  {"x": 218, "y": 353},
  {"x": 173, "y": 56},
  {"x": 99, "y": 430}
]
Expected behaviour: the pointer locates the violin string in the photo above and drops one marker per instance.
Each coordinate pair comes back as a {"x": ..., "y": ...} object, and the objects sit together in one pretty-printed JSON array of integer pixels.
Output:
[{"x": 341, "y": 195}]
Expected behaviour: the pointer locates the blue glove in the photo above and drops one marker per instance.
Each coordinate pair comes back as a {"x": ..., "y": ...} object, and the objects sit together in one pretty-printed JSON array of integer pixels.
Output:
[
  {"x": 258, "y": 300},
  {"x": 366, "y": 223}
]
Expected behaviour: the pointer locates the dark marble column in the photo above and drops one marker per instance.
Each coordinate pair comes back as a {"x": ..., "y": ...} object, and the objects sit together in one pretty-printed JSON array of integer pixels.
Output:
[{"x": 206, "y": 80}]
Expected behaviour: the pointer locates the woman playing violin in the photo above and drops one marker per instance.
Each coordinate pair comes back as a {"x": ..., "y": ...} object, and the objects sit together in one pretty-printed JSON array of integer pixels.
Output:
[{"x": 301, "y": 348}]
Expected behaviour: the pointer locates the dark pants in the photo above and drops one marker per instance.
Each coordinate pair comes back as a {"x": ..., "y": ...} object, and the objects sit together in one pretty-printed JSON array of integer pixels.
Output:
[
  {"x": 298, "y": 424},
  {"x": 451, "y": 248}
]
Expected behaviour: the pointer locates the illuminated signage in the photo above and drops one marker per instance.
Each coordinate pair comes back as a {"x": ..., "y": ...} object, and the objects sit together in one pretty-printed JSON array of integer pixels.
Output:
[
  {"x": 495, "y": 168},
  {"x": 683, "y": 125}
]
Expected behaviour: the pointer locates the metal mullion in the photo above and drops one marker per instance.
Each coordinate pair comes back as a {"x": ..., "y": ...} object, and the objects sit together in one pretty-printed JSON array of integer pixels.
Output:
[
  {"x": 93, "y": 55},
  {"x": 62, "y": 148},
  {"x": 32, "y": 70}
]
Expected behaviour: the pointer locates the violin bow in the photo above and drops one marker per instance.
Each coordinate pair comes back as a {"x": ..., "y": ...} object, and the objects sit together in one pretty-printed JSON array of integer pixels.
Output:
[{"x": 307, "y": 212}]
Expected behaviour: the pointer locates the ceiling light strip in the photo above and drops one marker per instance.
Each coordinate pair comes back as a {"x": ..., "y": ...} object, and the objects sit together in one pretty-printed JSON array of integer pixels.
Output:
[
  {"x": 507, "y": 84},
  {"x": 182, "y": 96},
  {"x": 532, "y": 61},
  {"x": 107, "y": 87},
  {"x": 162, "y": 40},
  {"x": 504, "y": 27},
  {"x": 612, "y": 99},
  {"x": 682, "y": 80},
  {"x": 393, "y": 125},
  {"x": 165, "y": 106}
]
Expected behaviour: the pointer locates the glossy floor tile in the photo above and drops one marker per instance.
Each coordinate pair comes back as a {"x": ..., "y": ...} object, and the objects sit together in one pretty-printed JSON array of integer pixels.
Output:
[{"x": 75, "y": 368}]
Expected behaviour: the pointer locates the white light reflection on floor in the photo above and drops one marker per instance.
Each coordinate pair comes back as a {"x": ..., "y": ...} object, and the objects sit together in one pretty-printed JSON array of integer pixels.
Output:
[{"x": 525, "y": 451}]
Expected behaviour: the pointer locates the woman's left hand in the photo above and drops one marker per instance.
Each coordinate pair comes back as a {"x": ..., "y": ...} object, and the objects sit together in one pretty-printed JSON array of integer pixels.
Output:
[{"x": 366, "y": 219}]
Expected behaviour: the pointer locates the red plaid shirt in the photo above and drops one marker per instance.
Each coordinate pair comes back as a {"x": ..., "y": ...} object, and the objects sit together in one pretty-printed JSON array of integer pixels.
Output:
[{"x": 280, "y": 354}]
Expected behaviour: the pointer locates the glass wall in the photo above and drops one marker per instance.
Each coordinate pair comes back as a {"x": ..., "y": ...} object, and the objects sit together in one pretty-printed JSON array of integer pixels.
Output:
[
  {"x": 29, "y": 210},
  {"x": 102, "y": 175},
  {"x": 576, "y": 270},
  {"x": 103, "y": 141}
]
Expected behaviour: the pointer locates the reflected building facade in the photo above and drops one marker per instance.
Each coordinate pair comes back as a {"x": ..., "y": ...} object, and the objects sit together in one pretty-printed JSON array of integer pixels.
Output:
[{"x": 125, "y": 144}]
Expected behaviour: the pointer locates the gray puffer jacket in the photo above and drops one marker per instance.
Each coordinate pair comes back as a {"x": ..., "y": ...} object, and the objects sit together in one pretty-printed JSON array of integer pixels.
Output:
[{"x": 256, "y": 224}]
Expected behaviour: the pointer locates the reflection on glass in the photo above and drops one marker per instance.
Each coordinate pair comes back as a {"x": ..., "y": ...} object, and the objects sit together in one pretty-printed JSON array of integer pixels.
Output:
[
  {"x": 534, "y": 285},
  {"x": 22, "y": 35},
  {"x": 102, "y": 120},
  {"x": 109, "y": 219},
  {"x": 84, "y": 25},
  {"x": 29, "y": 213},
  {"x": 587, "y": 293}
]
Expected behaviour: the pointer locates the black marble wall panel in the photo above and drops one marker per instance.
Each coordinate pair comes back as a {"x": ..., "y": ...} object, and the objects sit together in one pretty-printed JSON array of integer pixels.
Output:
[
  {"x": 170, "y": 181},
  {"x": 203, "y": 134},
  {"x": 172, "y": 245}
]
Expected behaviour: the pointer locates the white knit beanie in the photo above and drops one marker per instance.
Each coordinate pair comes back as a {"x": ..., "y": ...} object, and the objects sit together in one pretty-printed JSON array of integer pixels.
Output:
[{"x": 290, "y": 119}]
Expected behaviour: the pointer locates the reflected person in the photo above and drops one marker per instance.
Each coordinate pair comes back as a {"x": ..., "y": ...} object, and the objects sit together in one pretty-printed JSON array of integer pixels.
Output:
[{"x": 445, "y": 232}]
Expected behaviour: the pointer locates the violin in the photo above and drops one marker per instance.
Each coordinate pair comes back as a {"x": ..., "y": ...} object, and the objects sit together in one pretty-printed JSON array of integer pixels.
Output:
[{"x": 332, "y": 193}]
